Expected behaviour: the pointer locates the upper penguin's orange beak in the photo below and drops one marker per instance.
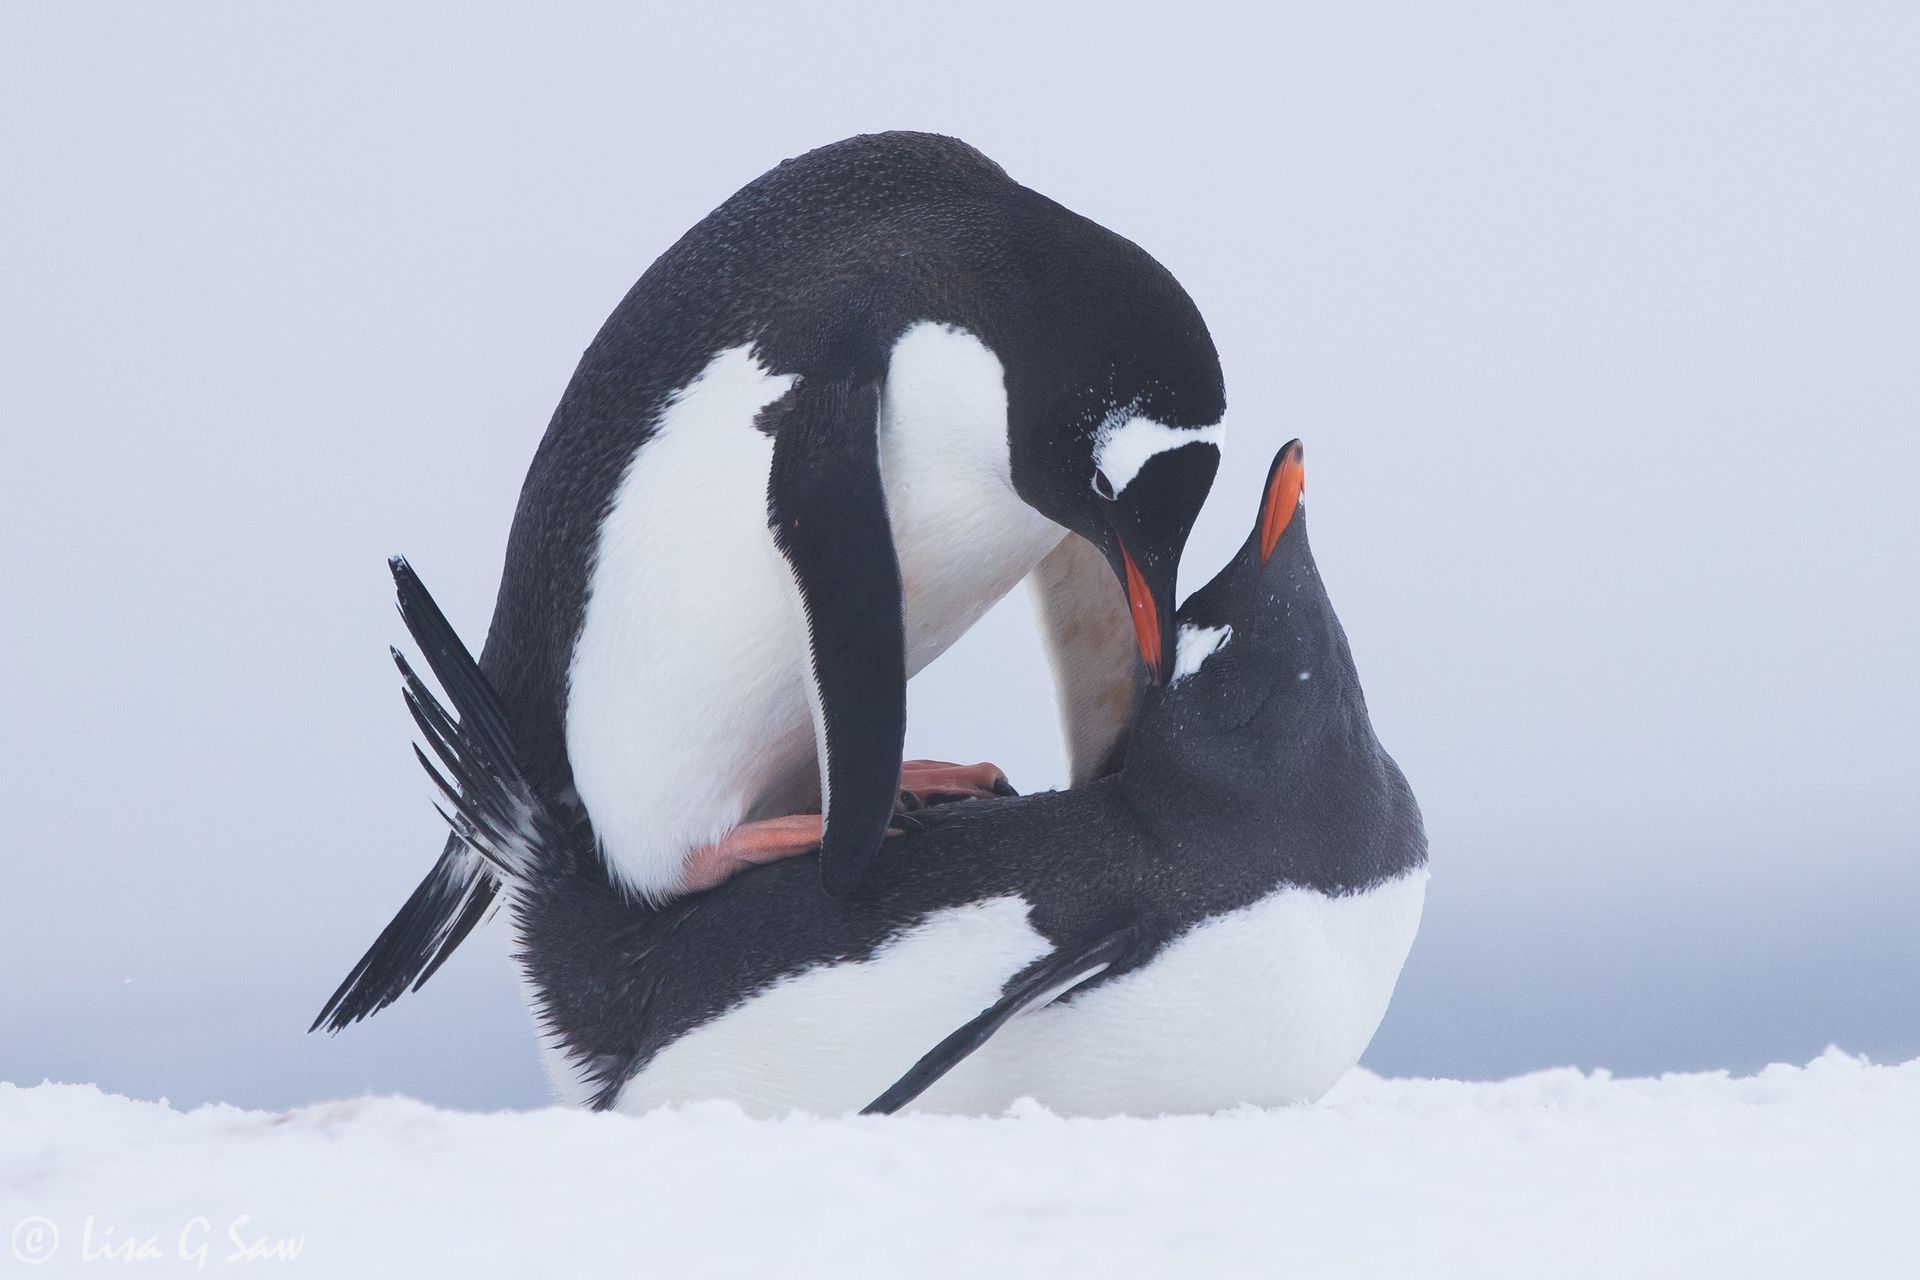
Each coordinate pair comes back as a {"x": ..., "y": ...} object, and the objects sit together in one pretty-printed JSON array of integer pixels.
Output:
[{"x": 1146, "y": 619}]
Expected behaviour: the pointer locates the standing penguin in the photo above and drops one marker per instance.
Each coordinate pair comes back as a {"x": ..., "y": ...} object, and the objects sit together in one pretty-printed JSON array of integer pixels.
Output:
[
  {"x": 1221, "y": 922},
  {"x": 821, "y": 436}
]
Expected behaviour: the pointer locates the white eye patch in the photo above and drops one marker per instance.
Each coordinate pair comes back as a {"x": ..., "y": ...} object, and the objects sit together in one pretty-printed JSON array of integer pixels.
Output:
[
  {"x": 1194, "y": 646},
  {"x": 1124, "y": 445}
]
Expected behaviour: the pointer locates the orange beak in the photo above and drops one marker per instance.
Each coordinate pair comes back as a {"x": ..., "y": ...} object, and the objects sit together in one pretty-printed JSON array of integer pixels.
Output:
[
  {"x": 1146, "y": 616},
  {"x": 1283, "y": 499}
]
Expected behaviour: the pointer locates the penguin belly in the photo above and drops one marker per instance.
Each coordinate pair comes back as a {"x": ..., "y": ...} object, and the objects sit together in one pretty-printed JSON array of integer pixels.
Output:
[
  {"x": 688, "y": 701},
  {"x": 1268, "y": 1004},
  {"x": 963, "y": 535}
]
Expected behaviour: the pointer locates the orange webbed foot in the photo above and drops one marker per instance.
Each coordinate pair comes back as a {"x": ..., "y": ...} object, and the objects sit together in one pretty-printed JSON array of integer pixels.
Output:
[
  {"x": 925, "y": 782},
  {"x": 751, "y": 844}
]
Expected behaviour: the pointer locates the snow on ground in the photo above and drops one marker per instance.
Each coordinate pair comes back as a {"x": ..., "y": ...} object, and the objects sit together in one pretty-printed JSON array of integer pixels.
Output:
[{"x": 1797, "y": 1171}]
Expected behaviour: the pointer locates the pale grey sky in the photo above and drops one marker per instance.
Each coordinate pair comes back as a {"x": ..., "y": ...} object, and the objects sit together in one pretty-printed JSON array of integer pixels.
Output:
[{"x": 1602, "y": 325}]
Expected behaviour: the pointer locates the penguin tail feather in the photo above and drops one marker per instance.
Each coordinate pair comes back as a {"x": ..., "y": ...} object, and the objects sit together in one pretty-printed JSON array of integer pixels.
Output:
[
  {"x": 501, "y": 829},
  {"x": 453, "y": 899}
]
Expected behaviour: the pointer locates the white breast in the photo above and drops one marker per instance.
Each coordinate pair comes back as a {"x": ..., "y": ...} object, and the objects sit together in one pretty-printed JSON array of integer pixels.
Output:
[
  {"x": 964, "y": 536},
  {"x": 686, "y": 709},
  {"x": 1266, "y": 1005}
]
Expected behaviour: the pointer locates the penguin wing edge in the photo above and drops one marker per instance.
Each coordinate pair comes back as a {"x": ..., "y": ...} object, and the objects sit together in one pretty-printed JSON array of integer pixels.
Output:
[
  {"x": 1051, "y": 978},
  {"x": 827, "y": 509}
]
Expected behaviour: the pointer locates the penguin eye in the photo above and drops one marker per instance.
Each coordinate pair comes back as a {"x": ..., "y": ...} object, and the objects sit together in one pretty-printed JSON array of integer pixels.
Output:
[{"x": 1102, "y": 485}]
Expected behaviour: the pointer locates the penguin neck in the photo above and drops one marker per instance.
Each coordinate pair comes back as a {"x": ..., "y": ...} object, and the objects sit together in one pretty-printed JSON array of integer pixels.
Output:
[
  {"x": 1266, "y": 724},
  {"x": 1201, "y": 767}
]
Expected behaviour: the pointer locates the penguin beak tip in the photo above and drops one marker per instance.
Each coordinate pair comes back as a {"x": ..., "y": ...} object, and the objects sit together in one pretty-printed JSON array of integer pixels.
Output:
[{"x": 1149, "y": 629}]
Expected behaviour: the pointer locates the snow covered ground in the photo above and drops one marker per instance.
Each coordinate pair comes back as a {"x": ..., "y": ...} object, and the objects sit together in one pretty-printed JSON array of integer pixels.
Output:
[{"x": 1794, "y": 1172}]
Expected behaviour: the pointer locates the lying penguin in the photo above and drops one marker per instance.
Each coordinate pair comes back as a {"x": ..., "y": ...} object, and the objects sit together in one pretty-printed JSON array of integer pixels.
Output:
[
  {"x": 830, "y": 427},
  {"x": 1221, "y": 922}
]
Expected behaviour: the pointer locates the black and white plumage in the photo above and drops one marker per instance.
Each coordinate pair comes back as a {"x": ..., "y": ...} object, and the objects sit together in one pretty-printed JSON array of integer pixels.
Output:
[
  {"x": 1220, "y": 922},
  {"x": 825, "y": 431}
]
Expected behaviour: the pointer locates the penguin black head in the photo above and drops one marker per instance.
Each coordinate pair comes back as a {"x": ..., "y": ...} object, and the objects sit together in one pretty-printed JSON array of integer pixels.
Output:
[
  {"x": 1263, "y": 706},
  {"x": 1263, "y": 628},
  {"x": 1115, "y": 431}
]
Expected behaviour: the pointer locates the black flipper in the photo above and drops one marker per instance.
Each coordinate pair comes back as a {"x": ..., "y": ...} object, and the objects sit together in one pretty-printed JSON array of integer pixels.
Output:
[
  {"x": 828, "y": 512},
  {"x": 1048, "y": 980},
  {"x": 499, "y": 822}
]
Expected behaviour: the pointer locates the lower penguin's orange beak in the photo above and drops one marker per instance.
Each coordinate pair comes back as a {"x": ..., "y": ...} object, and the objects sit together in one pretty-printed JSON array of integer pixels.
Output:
[{"x": 1146, "y": 619}]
